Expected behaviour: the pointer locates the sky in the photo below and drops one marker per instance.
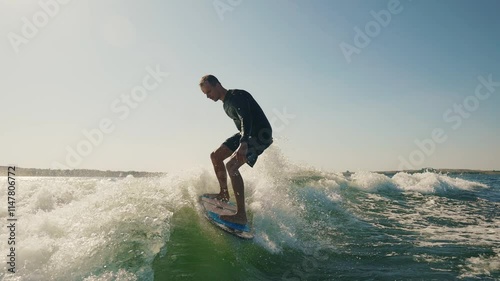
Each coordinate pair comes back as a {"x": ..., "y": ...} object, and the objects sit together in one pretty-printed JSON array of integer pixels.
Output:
[{"x": 347, "y": 85}]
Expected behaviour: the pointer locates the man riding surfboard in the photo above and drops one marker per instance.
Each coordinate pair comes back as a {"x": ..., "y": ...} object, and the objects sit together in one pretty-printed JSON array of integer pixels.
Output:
[{"x": 254, "y": 136}]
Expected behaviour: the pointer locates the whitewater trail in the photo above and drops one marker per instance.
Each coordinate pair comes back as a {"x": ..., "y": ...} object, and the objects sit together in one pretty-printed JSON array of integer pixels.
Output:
[{"x": 114, "y": 229}]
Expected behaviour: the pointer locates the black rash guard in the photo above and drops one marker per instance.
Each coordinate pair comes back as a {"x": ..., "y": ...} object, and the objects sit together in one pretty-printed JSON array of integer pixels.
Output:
[{"x": 247, "y": 116}]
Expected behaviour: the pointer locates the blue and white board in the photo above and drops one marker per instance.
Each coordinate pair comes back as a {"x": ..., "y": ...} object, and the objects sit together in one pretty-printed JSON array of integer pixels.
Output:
[{"x": 213, "y": 209}]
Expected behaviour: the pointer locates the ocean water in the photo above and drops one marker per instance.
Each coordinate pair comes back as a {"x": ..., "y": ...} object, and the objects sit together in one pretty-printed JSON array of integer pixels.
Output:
[{"x": 309, "y": 225}]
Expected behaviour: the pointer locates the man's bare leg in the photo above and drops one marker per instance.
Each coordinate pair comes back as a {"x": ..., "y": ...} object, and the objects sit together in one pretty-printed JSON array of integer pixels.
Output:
[
  {"x": 218, "y": 157},
  {"x": 239, "y": 191}
]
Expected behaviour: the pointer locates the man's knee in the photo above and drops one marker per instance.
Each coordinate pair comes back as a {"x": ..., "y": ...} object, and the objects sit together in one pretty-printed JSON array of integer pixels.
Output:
[
  {"x": 216, "y": 157},
  {"x": 220, "y": 154}
]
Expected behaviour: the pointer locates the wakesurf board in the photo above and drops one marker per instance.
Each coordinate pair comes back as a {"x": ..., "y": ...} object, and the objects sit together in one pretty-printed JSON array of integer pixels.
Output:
[{"x": 214, "y": 208}]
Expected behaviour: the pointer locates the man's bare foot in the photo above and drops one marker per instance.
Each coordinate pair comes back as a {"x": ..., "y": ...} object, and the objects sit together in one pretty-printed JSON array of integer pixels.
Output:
[
  {"x": 218, "y": 196},
  {"x": 239, "y": 219}
]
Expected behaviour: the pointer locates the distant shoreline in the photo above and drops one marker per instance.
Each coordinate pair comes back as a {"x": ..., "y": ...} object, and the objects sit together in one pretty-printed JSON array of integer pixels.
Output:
[
  {"x": 443, "y": 171},
  {"x": 33, "y": 172}
]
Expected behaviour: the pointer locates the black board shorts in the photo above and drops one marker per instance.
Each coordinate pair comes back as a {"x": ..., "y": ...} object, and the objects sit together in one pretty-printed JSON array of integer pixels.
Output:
[{"x": 255, "y": 148}]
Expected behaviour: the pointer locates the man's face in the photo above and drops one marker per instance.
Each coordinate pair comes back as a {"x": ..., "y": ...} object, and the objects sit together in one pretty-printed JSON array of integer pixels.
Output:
[{"x": 210, "y": 91}]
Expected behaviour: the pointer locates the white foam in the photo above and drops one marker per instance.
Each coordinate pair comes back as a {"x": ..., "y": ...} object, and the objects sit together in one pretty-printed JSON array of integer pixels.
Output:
[
  {"x": 426, "y": 182},
  {"x": 275, "y": 213},
  {"x": 70, "y": 228},
  {"x": 482, "y": 265},
  {"x": 121, "y": 274},
  {"x": 431, "y": 182},
  {"x": 439, "y": 221},
  {"x": 278, "y": 193},
  {"x": 111, "y": 229},
  {"x": 370, "y": 181}
]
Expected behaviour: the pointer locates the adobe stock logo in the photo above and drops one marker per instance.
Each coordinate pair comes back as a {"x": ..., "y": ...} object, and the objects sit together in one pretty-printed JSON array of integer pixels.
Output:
[
  {"x": 282, "y": 116},
  {"x": 314, "y": 255},
  {"x": 222, "y": 7},
  {"x": 30, "y": 28},
  {"x": 455, "y": 116},
  {"x": 122, "y": 107},
  {"x": 372, "y": 29}
]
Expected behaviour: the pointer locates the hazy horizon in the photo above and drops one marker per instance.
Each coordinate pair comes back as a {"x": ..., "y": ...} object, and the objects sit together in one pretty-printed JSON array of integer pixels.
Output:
[
  {"x": 146, "y": 171},
  {"x": 347, "y": 85}
]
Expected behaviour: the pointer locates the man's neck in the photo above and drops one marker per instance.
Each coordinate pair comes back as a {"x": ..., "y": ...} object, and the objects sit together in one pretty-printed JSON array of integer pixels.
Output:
[{"x": 223, "y": 96}]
